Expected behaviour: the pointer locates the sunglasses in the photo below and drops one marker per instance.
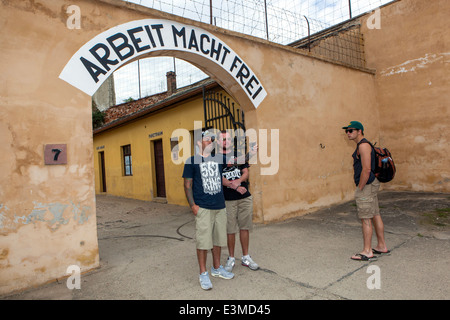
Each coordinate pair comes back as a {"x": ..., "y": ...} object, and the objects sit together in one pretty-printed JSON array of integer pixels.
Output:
[{"x": 350, "y": 130}]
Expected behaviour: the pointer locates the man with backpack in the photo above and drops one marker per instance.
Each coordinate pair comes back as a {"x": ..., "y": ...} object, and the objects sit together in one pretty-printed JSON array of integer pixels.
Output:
[{"x": 366, "y": 194}]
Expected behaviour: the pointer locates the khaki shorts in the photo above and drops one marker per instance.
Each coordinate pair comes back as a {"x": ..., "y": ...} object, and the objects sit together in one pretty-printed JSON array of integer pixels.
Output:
[
  {"x": 240, "y": 215},
  {"x": 367, "y": 200},
  {"x": 210, "y": 228}
]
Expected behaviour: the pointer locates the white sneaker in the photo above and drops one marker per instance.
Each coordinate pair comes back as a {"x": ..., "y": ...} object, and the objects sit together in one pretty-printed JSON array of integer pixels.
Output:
[
  {"x": 248, "y": 262},
  {"x": 230, "y": 264},
  {"x": 222, "y": 273},
  {"x": 205, "y": 282}
]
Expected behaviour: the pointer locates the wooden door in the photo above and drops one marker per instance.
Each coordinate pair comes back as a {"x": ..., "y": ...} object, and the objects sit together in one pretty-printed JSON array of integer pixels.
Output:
[
  {"x": 159, "y": 169},
  {"x": 102, "y": 172}
]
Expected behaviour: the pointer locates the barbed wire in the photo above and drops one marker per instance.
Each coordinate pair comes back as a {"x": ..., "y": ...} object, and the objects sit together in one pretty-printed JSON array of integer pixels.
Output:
[{"x": 280, "y": 21}]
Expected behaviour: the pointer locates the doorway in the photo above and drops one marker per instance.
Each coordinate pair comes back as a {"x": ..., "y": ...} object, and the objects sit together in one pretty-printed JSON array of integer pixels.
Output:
[
  {"x": 159, "y": 168},
  {"x": 102, "y": 171}
]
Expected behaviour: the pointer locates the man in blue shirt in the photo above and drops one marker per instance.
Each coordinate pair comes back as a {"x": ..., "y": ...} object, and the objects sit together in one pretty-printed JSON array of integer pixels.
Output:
[{"x": 203, "y": 187}]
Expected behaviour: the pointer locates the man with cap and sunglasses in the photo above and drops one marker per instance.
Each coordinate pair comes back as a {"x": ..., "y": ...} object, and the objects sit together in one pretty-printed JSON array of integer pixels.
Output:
[
  {"x": 366, "y": 194},
  {"x": 203, "y": 187}
]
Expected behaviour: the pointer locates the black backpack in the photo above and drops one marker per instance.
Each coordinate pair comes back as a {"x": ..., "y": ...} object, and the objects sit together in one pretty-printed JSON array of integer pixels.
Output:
[{"x": 384, "y": 164}]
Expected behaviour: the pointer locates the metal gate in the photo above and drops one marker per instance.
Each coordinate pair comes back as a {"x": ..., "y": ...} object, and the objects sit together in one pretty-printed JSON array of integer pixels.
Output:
[{"x": 221, "y": 114}]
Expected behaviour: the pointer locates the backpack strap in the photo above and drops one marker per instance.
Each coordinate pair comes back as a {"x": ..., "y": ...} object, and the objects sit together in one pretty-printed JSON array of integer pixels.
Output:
[
  {"x": 363, "y": 141},
  {"x": 373, "y": 148}
]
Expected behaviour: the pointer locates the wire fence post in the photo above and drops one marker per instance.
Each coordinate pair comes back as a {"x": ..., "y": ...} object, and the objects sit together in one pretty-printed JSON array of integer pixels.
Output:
[
  {"x": 267, "y": 23},
  {"x": 210, "y": 12},
  {"x": 309, "y": 34},
  {"x": 139, "y": 78},
  {"x": 350, "y": 8}
]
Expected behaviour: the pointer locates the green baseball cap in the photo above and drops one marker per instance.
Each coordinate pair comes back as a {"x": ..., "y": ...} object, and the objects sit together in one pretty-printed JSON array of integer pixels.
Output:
[{"x": 354, "y": 125}]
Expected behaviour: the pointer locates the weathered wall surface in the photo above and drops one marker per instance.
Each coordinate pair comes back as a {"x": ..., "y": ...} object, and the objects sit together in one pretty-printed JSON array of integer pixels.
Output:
[
  {"x": 411, "y": 53},
  {"x": 47, "y": 212},
  {"x": 308, "y": 104}
]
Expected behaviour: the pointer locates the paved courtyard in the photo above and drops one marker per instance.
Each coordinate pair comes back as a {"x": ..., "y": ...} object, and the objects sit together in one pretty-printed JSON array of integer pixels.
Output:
[{"x": 147, "y": 252}]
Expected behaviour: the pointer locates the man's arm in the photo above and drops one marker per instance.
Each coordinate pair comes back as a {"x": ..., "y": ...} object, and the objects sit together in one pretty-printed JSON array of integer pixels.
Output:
[
  {"x": 365, "y": 151},
  {"x": 244, "y": 175},
  {"x": 190, "y": 195},
  {"x": 227, "y": 183},
  {"x": 236, "y": 183}
]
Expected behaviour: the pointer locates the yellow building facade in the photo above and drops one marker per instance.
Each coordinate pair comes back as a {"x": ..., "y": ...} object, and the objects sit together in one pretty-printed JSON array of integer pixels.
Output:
[{"x": 134, "y": 156}]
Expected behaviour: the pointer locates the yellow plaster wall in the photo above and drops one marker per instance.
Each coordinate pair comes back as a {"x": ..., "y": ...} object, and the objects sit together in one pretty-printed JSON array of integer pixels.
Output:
[{"x": 47, "y": 212}]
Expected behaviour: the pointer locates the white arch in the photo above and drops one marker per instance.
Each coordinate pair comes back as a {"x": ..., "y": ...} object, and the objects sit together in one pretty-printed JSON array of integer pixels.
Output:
[{"x": 94, "y": 62}]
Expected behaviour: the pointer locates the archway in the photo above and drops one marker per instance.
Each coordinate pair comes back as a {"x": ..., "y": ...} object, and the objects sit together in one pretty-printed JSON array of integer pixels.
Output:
[{"x": 98, "y": 58}]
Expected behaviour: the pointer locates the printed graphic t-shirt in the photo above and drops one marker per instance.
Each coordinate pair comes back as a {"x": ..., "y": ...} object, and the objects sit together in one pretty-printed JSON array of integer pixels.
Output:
[
  {"x": 232, "y": 173},
  {"x": 206, "y": 175}
]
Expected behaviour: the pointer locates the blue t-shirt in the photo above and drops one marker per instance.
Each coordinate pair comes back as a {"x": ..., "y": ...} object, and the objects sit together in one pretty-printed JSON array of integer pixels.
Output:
[{"x": 206, "y": 175}]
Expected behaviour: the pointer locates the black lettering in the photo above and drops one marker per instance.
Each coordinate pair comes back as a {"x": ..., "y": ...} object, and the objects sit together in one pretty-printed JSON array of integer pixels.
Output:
[
  {"x": 249, "y": 84},
  {"x": 202, "y": 37},
  {"x": 193, "y": 41},
  {"x": 104, "y": 59},
  {"x": 124, "y": 45},
  {"x": 233, "y": 65},
  {"x": 243, "y": 75},
  {"x": 226, "y": 51},
  {"x": 149, "y": 33},
  {"x": 256, "y": 93},
  {"x": 214, "y": 51},
  {"x": 181, "y": 33},
  {"x": 158, "y": 28},
  {"x": 135, "y": 40},
  {"x": 93, "y": 69}
]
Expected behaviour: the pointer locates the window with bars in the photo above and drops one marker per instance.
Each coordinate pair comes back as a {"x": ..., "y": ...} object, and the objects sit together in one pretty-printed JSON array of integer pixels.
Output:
[{"x": 126, "y": 157}]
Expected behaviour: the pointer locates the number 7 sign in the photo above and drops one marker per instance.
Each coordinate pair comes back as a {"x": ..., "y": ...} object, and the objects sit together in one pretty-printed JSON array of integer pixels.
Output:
[{"x": 55, "y": 154}]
